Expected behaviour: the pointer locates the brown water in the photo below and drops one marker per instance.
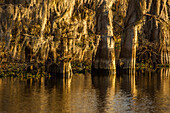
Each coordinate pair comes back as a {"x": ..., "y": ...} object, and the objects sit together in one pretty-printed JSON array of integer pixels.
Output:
[{"x": 142, "y": 92}]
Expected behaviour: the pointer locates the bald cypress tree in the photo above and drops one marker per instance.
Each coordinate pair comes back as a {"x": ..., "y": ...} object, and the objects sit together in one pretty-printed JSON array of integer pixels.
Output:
[
  {"x": 104, "y": 57},
  {"x": 157, "y": 29},
  {"x": 134, "y": 15}
]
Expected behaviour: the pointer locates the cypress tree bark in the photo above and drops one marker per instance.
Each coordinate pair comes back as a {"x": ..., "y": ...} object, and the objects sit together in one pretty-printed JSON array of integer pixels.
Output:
[
  {"x": 129, "y": 40},
  {"x": 104, "y": 58},
  {"x": 165, "y": 34},
  {"x": 157, "y": 29}
]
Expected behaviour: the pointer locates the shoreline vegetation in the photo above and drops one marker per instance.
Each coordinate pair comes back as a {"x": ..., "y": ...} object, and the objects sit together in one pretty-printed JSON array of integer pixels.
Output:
[
  {"x": 62, "y": 37},
  {"x": 21, "y": 70}
]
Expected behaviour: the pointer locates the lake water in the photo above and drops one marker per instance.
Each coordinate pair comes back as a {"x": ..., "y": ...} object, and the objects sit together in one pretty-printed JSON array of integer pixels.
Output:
[{"x": 145, "y": 92}]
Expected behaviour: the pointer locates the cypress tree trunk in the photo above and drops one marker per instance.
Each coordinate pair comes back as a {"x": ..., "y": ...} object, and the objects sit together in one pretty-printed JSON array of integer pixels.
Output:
[
  {"x": 104, "y": 58},
  {"x": 157, "y": 29},
  {"x": 152, "y": 26},
  {"x": 65, "y": 69},
  {"x": 129, "y": 40},
  {"x": 165, "y": 34}
]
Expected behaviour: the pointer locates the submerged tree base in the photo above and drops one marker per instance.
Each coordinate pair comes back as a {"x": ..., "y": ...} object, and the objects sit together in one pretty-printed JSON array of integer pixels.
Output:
[{"x": 102, "y": 72}]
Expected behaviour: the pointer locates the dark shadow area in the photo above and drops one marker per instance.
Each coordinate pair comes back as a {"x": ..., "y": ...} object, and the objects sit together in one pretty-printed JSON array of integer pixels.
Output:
[
  {"x": 102, "y": 81},
  {"x": 102, "y": 72}
]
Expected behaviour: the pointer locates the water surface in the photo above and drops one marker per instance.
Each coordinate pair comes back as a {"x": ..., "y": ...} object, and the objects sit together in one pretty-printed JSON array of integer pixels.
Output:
[{"x": 139, "y": 92}]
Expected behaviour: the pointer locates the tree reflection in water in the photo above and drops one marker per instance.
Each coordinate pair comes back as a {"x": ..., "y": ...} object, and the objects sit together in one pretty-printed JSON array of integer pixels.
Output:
[
  {"x": 122, "y": 92},
  {"x": 133, "y": 91}
]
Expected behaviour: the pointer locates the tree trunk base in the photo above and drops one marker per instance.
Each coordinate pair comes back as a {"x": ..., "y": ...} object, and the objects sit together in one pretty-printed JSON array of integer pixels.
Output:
[
  {"x": 62, "y": 70},
  {"x": 65, "y": 70},
  {"x": 103, "y": 72},
  {"x": 105, "y": 56},
  {"x": 125, "y": 64}
]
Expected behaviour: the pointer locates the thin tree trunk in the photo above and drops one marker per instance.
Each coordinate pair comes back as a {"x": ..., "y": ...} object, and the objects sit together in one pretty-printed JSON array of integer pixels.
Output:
[{"x": 65, "y": 69}]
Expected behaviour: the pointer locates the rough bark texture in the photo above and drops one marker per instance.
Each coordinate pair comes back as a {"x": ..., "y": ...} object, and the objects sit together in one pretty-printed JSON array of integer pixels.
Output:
[
  {"x": 165, "y": 34},
  {"x": 65, "y": 65},
  {"x": 157, "y": 29},
  {"x": 104, "y": 58},
  {"x": 129, "y": 40}
]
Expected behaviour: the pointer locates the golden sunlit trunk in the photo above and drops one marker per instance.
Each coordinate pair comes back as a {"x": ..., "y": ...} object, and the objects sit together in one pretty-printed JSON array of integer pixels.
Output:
[
  {"x": 165, "y": 34},
  {"x": 105, "y": 55},
  {"x": 129, "y": 40}
]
